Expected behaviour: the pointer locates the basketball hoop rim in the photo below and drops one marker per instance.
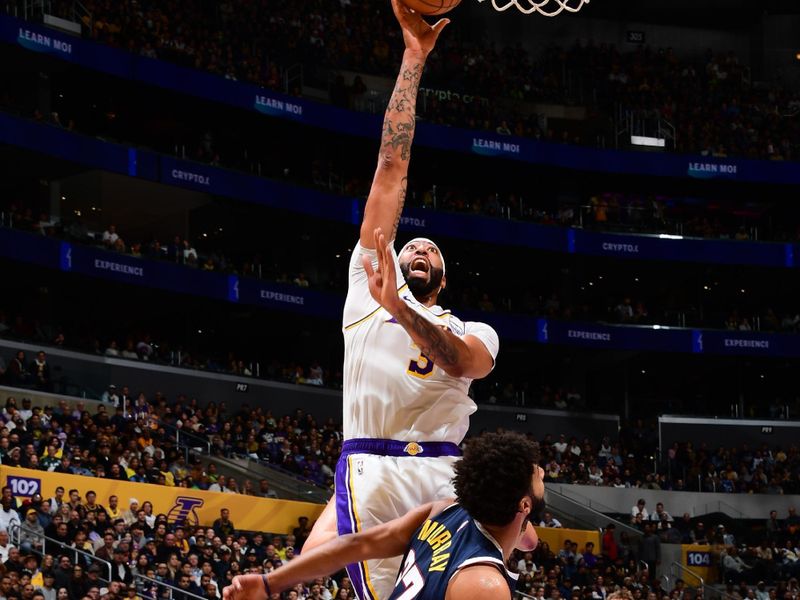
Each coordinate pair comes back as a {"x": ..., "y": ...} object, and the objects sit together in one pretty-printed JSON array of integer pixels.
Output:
[{"x": 540, "y": 7}]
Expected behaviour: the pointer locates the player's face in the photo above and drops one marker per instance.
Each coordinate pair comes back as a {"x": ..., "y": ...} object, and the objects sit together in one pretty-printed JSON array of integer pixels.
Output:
[
  {"x": 422, "y": 268},
  {"x": 528, "y": 540}
]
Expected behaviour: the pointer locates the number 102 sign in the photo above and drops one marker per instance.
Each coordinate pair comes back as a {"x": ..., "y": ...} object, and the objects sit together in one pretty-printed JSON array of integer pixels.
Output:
[{"x": 24, "y": 487}]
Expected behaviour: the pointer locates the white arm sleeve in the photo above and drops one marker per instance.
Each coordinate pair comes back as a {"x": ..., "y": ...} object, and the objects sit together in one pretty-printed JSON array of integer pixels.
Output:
[{"x": 359, "y": 302}]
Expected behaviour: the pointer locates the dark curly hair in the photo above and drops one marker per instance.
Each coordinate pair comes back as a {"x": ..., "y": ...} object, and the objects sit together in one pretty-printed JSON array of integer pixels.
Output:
[{"x": 494, "y": 475}]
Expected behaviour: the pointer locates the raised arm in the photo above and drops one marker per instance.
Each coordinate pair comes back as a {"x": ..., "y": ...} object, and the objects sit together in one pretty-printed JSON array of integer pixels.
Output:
[
  {"x": 388, "y": 192},
  {"x": 382, "y": 541}
]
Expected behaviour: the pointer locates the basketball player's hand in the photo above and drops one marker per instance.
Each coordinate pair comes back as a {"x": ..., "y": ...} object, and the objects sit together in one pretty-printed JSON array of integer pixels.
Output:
[
  {"x": 383, "y": 280},
  {"x": 417, "y": 34},
  {"x": 245, "y": 587}
]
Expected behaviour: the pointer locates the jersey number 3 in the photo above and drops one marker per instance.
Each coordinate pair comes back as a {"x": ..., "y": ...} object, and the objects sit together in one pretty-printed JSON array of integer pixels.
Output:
[
  {"x": 421, "y": 367},
  {"x": 411, "y": 578}
]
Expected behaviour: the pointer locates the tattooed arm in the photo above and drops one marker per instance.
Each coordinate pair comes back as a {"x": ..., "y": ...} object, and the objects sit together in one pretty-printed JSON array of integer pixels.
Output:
[
  {"x": 457, "y": 356},
  {"x": 388, "y": 193}
]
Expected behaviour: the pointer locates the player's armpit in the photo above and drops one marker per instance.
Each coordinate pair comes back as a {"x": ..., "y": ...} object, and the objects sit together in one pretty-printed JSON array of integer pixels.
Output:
[{"x": 478, "y": 582}]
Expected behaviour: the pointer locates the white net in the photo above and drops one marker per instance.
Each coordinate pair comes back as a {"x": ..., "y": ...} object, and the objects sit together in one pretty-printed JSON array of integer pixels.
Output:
[{"x": 548, "y": 8}]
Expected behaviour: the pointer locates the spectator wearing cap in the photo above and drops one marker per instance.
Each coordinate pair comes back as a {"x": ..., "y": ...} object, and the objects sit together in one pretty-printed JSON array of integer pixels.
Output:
[
  {"x": 223, "y": 565},
  {"x": 110, "y": 396},
  {"x": 93, "y": 573},
  {"x": 79, "y": 468},
  {"x": 130, "y": 515},
  {"x": 32, "y": 532},
  {"x": 12, "y": 459},
  {"x": 120, "y": 569}
]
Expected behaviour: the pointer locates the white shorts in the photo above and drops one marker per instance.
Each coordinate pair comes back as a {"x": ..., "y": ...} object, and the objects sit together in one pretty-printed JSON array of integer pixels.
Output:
[{"x": 375, "y": 488}]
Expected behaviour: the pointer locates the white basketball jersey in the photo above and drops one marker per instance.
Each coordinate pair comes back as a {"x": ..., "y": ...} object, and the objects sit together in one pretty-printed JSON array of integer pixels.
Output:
[{"x": 391, "y": 391}]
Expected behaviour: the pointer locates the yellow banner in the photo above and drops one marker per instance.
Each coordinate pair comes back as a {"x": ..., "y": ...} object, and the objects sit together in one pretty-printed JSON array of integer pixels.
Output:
[
  {"x": 195, "y": 507},
  {"x": 555, "y": 537},
  {"x": 699, "y": 559}
]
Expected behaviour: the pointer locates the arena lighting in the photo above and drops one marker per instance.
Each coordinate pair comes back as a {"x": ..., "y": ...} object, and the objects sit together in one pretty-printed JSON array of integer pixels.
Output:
[
  {"x": 651, "y": 142},
  {"x": 669, "y": 236}
]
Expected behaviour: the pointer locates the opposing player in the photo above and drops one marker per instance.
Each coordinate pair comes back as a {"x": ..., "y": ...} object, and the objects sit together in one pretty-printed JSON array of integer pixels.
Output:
[
  {"x": 408, "y": 363},
  {"x": 453, "y": 551}
]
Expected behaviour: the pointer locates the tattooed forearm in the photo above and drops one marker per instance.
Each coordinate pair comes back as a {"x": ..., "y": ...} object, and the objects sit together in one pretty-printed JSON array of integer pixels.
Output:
[
  {"x": 435, "y": 342},
  {"x": 399, "y": 123},
  {"x": 401, "y": 200}
]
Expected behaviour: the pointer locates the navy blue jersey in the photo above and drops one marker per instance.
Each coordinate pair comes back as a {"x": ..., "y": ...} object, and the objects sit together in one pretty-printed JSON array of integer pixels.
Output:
[{"x": 441, "y": 547}]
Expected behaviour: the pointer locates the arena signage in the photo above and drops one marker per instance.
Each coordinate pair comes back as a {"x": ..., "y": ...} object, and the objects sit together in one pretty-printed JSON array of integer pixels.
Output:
[
  {"x": 179, "y": 175},
  {"x": 40, "y": 42},
  {"x": 277, "y": 107},
  {"x": 709, "y": 170},
  {"x": 490, "y": 147},
  {"x": 55, "y": 254},
  {"x": 243, "y": 95},
  {"x": 621, "y": 248},
  {"x": 195, "y": 507},
  {"x": 443, "y": 95},
  {"x": 412, "y": 222}
]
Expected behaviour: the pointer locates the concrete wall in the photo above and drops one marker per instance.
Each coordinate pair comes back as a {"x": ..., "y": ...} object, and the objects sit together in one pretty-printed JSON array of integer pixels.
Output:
[
  {"x": 725, "y": 432},
  {"x": 745, "y": 506},
  {"x": 97, "y": 372}
]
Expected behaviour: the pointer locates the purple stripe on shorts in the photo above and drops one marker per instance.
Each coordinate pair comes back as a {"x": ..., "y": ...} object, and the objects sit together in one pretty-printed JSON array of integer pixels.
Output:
[
  {"x": 346, "y": 523},
  {"x": 398, "y": 448}
]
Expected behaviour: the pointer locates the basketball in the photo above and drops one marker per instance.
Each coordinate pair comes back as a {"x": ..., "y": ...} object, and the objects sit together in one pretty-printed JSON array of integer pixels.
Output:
[{"x": 431, "y": 7}]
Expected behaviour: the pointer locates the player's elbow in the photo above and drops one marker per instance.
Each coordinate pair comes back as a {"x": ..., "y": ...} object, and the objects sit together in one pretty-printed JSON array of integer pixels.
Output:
[{"x": 388, "y": 161}]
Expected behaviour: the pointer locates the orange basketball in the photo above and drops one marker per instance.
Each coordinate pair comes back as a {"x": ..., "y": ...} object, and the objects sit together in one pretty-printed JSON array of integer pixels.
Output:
[{"x": 431, "y": 7}]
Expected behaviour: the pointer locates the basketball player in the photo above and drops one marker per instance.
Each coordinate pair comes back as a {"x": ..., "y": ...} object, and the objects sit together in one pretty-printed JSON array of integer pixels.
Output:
[
  {"x": 408, "y": 362},
  {"x": 453, "y": 551}
]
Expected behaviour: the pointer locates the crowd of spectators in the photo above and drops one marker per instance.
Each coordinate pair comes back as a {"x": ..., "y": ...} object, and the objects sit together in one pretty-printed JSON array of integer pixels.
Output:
[
  {"x": 134, "y": 445},
  {"x": 129, "y": 437},
  {"x": 81, "y": 547},
  {"x": 300, "y": 445},
  {"x": 709, "y": 97}
]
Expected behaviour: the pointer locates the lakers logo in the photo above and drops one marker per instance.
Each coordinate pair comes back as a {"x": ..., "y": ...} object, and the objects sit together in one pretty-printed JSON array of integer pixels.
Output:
[
  {"x": 183, "y": 512},
  {"x": 413, "y": 449}
]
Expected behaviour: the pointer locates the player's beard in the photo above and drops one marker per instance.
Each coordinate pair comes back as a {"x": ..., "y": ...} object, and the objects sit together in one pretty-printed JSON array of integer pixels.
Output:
[{"x": 421, "y": 289}]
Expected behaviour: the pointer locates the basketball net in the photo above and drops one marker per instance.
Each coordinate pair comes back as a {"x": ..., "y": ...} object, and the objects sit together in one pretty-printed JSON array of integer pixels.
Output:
[{"x": 548, "y": 8}]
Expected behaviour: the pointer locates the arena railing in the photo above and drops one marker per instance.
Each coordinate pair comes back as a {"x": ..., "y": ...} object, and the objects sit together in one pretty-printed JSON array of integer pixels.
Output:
[
  {"x": 173, "y": 589},
  {"x": 15, "y": 533},
  {"x": 677, "y": 568},
  {"x": 579, "y": 511}
]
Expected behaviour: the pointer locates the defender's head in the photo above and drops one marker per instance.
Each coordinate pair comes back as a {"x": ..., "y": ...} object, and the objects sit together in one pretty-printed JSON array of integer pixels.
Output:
[
  {"x": 422, "y": 266},
  {"x": 499, "y": 481}
]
